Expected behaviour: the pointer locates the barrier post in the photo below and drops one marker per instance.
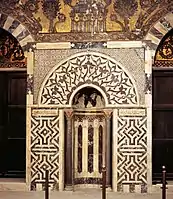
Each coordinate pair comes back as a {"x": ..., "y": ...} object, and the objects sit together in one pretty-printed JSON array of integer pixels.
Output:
[
  {"x": 47, "y": 185},
  {"x": 104, "y": 183},
  {"x": 163, "y": 182}
]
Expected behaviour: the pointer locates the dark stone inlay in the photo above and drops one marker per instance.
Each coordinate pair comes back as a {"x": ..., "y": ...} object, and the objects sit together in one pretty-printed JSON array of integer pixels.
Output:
[
  {"x": 144, "y": 188},
  {"x": 132, "y": 188},
  {"x": 14, "y": 25},
  {"x": 79, "y": 149},
  {"x": 100, "y": 147},
  {"x": 84, "y": 45},
  {"x": 68, "y": 153},
  {"x": 13, "y": 65},
  {"x": 119, "y": 187},
  {"x": 22, "y": 35},
  {"x": 30, "y": 46},
  {"x": 30, "y": 84},
  {"x": 33, "y": 186},
  {"x": 166, "y": 23},
  {"x": 148, "y": 83},
  {"x": 88, "y": 181},
  {"x": 156, "y": 33},
  {"x": 90, "y": 149},
  {"x": 3, "y": 19},
  {"x": 163, "y": 64}
]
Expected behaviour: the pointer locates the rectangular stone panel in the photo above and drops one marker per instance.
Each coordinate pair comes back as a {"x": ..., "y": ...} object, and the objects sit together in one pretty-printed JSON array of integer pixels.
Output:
[
  {"x": 44, "y": 147},
  {"x": 132, "y": 150}
]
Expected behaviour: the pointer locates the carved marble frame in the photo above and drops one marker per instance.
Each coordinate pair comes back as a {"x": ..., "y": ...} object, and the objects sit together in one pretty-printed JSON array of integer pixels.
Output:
[{"x": 148, "y": 104}]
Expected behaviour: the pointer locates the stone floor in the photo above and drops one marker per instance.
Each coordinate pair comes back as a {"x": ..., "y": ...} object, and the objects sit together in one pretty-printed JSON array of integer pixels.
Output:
[{"x": 82, "y": 194}]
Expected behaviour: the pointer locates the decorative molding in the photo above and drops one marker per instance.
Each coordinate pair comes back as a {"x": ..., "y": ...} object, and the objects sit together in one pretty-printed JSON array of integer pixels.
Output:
[
  {"x": 85, "y": 37},
  {"x": 13, "y": 65},
  {"x": 44, "y": 112},
  {"x": 163, "y": 64},
  {"x": 132, "y": 112},
  {"x": 85, "y": 45}
]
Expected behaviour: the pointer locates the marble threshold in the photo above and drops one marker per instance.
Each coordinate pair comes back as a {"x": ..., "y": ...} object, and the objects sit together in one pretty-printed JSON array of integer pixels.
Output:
[{"x": 13, "y": 184}]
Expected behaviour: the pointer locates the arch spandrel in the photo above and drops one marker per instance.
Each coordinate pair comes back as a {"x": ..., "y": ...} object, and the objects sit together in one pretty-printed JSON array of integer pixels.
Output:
[{"x": 90, "y": 68}]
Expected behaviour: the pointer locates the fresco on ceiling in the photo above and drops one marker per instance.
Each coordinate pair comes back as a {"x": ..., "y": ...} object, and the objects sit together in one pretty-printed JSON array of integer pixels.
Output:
[
  {"x": 132, "y": 17},
  {"x": 11, "y": 53}
]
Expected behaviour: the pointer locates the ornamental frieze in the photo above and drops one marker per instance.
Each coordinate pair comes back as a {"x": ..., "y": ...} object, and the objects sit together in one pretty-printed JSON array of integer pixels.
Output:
[{"x": 132, "y": 18}]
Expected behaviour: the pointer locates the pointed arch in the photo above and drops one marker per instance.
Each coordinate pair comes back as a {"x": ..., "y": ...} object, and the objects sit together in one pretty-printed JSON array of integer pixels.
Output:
[{"x": 92, "y": 69}]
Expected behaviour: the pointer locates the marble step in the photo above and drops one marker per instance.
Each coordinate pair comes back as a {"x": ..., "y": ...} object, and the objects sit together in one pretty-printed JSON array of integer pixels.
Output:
[
  {"x": 157, "y": 188},
  {"x": 12, "y": 184}
]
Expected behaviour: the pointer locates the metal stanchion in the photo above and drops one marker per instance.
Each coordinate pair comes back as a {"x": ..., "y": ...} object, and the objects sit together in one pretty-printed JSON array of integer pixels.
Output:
[
  {"x": 163, "y": 182},
  {"x": 104, "y": 183},
  {"x": 47, "y": 185}
]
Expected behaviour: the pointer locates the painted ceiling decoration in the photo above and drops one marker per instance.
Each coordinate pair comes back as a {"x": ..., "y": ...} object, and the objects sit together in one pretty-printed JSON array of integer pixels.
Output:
[
  {"x": 97, "y": 20},
  {"x": 164, "y": 53},
  {"x": 11, "y": 53}
]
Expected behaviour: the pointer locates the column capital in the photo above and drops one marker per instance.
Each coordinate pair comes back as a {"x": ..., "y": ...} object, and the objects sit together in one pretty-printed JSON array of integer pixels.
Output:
[
  {"x": 108, "y": 112},
  {"x": 69, "y": 113}
]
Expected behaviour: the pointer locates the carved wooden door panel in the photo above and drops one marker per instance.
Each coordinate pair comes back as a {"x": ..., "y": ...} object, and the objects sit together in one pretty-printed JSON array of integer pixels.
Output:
[
  {"x": 3, "y": 116},
  {"x": 162, "y": 123},
  {"x": 88, "y": 142},
  {"x": 13, "y": 123}
]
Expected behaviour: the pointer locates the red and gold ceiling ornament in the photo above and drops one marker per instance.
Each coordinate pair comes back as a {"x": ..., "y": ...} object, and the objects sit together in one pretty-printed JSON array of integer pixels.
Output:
[
  {"x": 11, "y": 53},
  {"x": 164, "y": 53}
]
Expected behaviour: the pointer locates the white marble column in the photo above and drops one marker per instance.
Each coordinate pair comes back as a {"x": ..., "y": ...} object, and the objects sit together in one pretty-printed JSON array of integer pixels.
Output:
[
  {"x": 114, "y": 149},
  {"x": 61, "y": 150},
  {"x": 69, "y": 150},
  {"x": 28, "y": 149},
  {"x": 108, "y": 114},
  {"x": 30, "y": 66},
  {"x": 29, "y": 103},
  {"x": 148, "y": 104}
]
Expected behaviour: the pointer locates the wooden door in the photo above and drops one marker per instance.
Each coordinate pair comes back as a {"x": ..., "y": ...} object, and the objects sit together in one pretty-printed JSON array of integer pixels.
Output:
[
  {"x": 13, "y": 124},
  {"x": 162, "y": 123}
]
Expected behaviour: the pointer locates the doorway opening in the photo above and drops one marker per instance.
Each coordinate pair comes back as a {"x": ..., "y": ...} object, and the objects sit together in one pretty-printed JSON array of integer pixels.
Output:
[
  {"x": 12, "y": 107},
  {"x": 162, "y": 150}
]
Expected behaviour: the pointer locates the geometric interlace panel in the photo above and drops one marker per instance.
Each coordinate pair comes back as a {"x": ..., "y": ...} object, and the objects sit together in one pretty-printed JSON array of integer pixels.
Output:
[{"x": 44, "y": 148}]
